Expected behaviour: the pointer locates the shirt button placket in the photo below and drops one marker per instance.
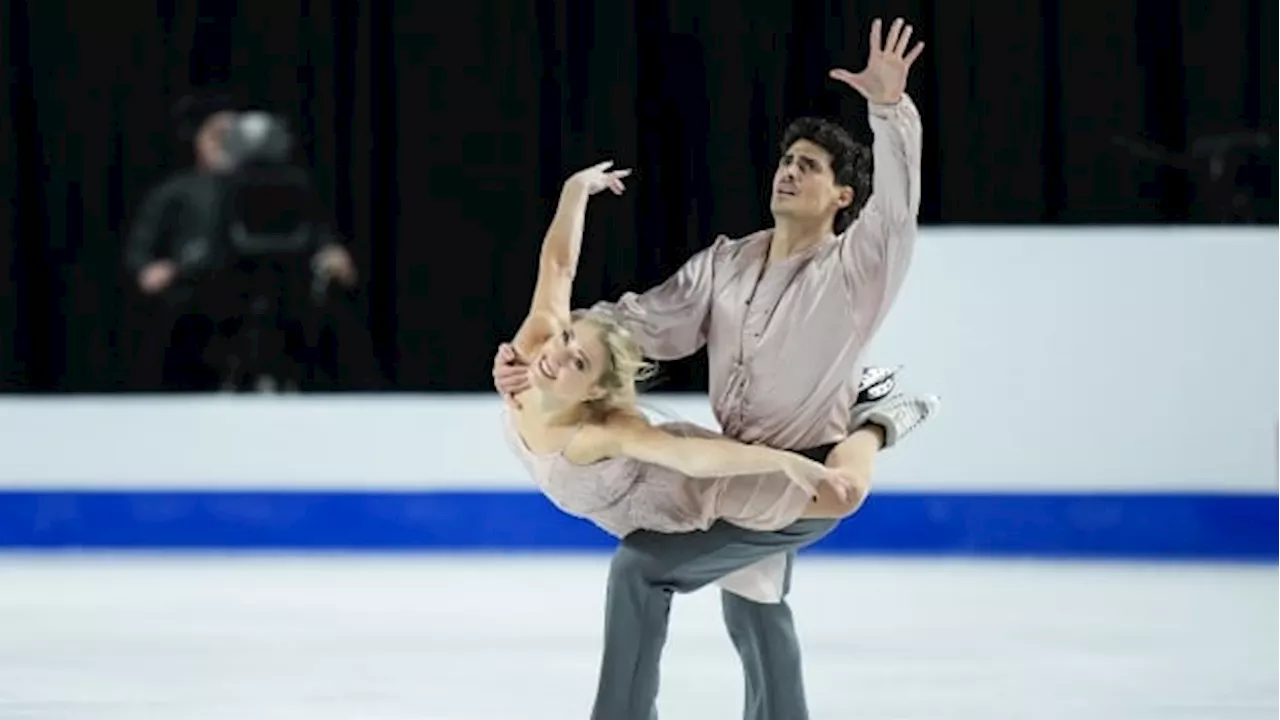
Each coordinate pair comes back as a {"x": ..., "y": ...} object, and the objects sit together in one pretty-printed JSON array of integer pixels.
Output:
[{"x": 749, "y": 339}]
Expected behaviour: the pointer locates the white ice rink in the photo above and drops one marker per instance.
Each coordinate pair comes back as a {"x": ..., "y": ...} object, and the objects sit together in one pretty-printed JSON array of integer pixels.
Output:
[{"x": 471, "y": 638}]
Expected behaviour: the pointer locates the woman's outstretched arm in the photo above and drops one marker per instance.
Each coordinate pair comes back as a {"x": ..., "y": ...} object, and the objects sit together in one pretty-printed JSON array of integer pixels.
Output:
[{"x": 625, "y": 435}]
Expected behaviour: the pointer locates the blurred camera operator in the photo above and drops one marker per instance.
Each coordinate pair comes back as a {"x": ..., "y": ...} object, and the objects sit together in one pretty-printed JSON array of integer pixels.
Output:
[
  {"x": 183, "y": 209},
  {"x": 182, "y": 258}
]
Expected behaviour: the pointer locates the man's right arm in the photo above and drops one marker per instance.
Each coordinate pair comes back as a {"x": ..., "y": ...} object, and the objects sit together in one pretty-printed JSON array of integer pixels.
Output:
[
  {"x": 143, "y": 243},
  {"x": 670, "y": 321}
]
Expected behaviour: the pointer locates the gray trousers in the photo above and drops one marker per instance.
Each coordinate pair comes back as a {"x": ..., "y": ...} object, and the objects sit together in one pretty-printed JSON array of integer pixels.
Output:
[{"x": 648, "y": 568}]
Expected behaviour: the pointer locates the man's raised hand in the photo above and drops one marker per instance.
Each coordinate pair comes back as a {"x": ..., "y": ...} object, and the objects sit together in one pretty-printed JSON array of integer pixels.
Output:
[{"x": 884, "y": 79}]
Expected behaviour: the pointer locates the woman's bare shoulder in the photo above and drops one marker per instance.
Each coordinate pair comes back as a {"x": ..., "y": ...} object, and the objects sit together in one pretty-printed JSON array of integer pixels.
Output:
[{"x": 603, "y": 437}]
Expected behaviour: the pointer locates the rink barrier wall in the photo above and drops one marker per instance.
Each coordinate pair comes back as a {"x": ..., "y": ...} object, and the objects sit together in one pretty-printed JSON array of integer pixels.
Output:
[
  {"x": 1106, "y": 393},
  {"x": 265, "y": 474},
  {"x": 1149, "y": 526}
]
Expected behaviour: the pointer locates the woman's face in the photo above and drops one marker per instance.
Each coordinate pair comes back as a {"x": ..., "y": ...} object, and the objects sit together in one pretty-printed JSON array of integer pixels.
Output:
[{"x": 568, "y": 365}]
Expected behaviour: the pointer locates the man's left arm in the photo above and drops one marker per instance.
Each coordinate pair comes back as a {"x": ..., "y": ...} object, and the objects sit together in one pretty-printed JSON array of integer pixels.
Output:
[
  {"x": 877, "y": 248},
  {"x": 880, "y": 245}
]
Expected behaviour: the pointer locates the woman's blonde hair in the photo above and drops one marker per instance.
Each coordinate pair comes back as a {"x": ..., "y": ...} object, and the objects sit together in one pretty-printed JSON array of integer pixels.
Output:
[{"x": 625, "y": 364}]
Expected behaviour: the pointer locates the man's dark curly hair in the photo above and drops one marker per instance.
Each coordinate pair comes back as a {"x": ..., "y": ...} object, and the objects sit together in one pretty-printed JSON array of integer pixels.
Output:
[{"x": 850, "y": 161}]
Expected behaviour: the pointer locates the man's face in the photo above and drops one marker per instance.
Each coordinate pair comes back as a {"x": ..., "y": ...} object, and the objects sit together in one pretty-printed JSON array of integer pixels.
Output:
[
  {"x": 210, "y": 152},
  {"x": 804, "y": 186}
]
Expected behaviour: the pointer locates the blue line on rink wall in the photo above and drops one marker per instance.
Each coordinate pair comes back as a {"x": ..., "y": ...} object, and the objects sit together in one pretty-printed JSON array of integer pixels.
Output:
[{"x": 1109, "y": 525}]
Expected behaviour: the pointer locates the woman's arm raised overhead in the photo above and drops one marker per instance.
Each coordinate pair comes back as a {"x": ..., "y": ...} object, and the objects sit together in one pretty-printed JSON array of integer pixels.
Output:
[{"x": 558, "y": 262}]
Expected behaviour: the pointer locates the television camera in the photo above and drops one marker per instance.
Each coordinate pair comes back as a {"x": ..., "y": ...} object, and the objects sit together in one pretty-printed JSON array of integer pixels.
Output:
[{"x": 272, "y": 229}]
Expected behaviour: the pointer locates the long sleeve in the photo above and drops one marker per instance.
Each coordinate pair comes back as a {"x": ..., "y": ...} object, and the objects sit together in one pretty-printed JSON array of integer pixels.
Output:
[
  {"x": 877, "y": 248},
  {"x": 895, "y": 186},
  {"x": 149, "y": 227},
  {"x": 670, "y": 320}
]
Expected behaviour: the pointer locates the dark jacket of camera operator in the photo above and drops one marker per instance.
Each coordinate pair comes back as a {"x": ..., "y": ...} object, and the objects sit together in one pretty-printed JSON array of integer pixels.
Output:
[{"x": 176, "y": 225}]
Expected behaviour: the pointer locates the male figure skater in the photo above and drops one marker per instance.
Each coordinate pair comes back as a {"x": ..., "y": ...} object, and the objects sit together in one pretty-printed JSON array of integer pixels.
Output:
[{"x": 784, "y": 314}]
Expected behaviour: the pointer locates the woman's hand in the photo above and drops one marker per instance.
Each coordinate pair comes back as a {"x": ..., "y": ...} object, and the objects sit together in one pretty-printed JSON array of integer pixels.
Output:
[
  {"x": 804, "y": 472},
  {"x": 599, "y": 177}
]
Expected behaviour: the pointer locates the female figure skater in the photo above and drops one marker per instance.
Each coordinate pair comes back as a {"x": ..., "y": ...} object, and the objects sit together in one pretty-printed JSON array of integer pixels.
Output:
[{"x": 581, "y": 435}]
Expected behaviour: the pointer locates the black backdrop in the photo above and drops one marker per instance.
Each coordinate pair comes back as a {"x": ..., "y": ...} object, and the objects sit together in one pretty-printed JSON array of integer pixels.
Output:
[{"x": 439, "y": 134}]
